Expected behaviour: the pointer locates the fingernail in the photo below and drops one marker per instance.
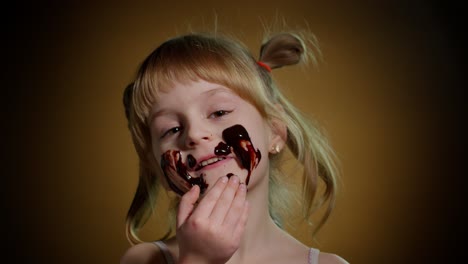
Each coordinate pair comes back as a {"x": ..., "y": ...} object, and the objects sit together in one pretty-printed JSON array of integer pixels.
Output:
[
  {"x": 224, "y": 179},
  {"x": 235, "y": 179},
  {"x": 243, "y": 187}
]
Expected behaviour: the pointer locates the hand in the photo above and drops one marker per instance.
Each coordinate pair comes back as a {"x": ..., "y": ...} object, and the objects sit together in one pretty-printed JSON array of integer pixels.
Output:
[{"x": 210, "y": 232}]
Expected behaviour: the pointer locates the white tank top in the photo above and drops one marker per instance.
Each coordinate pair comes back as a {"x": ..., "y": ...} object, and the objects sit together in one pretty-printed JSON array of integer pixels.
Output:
[{"x": 312, "y": 259}]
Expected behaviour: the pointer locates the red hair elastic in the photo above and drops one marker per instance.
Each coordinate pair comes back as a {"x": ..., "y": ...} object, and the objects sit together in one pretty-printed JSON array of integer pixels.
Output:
[{"x": 264, "y": 65}]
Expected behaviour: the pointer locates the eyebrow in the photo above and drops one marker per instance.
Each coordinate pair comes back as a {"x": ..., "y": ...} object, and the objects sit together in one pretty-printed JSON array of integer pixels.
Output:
[
  {"x": 209, "y": 93},
  {"x": 158, "y": 113}
]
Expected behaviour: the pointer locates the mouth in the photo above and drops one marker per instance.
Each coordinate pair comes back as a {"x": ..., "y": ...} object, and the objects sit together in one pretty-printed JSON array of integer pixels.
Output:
[{"x": 208, "y": 162}]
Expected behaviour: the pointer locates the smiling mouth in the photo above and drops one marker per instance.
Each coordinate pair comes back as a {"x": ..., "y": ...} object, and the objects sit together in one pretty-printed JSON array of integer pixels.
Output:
[{"x": 207, "y": 162}]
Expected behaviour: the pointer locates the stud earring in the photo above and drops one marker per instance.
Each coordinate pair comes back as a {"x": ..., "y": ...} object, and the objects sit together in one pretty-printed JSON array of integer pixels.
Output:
[{"x": 276, "y": 149}]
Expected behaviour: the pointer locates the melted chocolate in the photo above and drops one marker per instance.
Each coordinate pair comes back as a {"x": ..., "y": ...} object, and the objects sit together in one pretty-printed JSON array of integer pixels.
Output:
[
  {"x": 191, "y": 161},
  {"x": 222, "y": 149},
  {"x": 177, "y": 175},
  {"x": 238, "y": 139}
]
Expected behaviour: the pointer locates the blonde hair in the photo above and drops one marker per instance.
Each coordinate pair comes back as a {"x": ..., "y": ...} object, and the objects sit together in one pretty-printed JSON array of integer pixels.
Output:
[{"x": 218, "y": 59}]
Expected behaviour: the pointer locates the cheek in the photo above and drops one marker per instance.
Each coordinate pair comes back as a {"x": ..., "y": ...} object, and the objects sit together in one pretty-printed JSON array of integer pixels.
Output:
[
  {"x": 259, "y": 136},
  {"x": 156, "y": 152},
  {"x": 158, "y": 148},
  {"x": 243, "y": 147}
]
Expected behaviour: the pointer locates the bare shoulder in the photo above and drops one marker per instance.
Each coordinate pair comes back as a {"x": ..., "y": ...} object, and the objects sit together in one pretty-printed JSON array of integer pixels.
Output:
[
  {"x": 144, "y": 253},
  {"x": 328, "y": 258}
]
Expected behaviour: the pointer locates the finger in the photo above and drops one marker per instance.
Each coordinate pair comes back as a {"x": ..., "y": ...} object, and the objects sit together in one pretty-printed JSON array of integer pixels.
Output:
[
  {"x": 237, "y": 207},
  {"x": 205, "y": 206},
  {"x": 240, "y": 227},
  {"x": 225, "y": 201},
  {"x": 187, "y": 204}
]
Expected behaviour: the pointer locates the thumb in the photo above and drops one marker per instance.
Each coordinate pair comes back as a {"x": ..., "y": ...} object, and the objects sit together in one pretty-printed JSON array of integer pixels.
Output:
[{"x": 187, "y": 203}]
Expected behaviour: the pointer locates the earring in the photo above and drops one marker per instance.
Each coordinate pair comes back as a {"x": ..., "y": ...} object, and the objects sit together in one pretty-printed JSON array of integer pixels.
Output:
[{"x": 276, "y": 149}]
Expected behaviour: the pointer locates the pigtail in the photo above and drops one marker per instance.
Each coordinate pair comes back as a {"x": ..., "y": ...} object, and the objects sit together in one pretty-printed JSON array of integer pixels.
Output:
[
  {"x": 305, "y": 140},
  {"x": 282, "y": 50}
]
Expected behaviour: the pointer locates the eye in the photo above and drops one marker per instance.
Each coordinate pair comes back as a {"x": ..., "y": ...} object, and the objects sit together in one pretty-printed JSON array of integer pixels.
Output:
[
  {"x": 219, "y": 113},
  {"x": 171, "y": 131}
]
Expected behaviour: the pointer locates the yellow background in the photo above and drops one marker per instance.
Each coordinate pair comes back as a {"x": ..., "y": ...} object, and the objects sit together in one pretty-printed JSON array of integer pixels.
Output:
[{"x": 386, "y": 92}]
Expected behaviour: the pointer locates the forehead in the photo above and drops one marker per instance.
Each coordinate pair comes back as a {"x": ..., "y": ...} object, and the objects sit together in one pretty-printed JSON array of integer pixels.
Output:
[{"x": 185, "y": 93}]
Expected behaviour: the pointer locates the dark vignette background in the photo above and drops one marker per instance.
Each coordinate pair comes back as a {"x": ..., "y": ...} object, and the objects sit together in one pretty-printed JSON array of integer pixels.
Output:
[{"x": 59, "y": 204}]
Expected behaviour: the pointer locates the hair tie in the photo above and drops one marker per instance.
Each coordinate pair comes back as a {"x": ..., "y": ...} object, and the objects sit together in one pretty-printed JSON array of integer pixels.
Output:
[{"x": 264, "y": 65}]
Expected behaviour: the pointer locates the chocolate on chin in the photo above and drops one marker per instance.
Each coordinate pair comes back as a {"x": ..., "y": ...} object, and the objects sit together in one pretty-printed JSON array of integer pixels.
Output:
[{"x": 236, "y": 140}]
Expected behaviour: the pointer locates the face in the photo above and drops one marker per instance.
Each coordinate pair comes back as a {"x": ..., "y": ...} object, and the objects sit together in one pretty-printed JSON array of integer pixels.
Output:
[{"x": 202, "y": 131}]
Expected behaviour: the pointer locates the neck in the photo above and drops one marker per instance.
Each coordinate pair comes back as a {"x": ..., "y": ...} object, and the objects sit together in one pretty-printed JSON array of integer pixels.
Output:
[{"x": 260, "y": 229}]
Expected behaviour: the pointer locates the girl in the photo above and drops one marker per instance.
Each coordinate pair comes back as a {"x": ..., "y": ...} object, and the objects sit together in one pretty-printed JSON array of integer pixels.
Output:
[{"x": 209, "y": 124}]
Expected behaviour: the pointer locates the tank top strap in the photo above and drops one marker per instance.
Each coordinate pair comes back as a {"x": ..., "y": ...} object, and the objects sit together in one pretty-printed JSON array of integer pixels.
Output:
[
  {"x": 165, "y": 250},
  {"x": 313, "y": 256}
]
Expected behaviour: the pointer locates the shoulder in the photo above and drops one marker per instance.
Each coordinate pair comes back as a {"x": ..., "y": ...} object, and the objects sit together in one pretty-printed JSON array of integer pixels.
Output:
[
  {"x": 328, "y": 258},
  {"x": 143, "y": 253}
]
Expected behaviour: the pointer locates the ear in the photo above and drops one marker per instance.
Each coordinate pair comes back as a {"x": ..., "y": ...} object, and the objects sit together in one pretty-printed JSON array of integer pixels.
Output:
[{"x": 279, "y": 135}]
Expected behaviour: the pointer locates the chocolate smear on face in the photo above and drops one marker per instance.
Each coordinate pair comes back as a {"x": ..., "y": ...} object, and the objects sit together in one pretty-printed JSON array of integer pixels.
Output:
[
  {"x": 237, "y": 139},
  {"x": 222, "y": 149},
  {"x": 191, "y": 161},
  {"x": 177, "y": 176}
]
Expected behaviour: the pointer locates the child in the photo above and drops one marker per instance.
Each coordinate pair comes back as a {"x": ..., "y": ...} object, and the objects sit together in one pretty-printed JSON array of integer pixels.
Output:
[{"x": 209, "y": 124}]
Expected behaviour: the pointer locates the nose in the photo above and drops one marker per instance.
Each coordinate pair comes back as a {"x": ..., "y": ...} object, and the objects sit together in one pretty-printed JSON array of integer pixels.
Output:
[{"x": 196, "y": 133}]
